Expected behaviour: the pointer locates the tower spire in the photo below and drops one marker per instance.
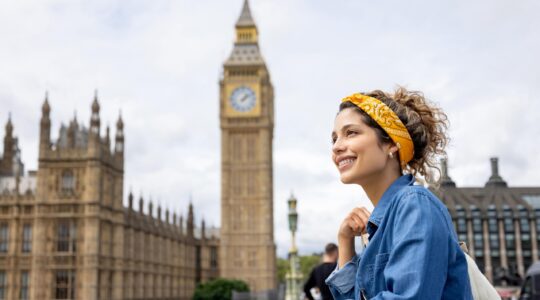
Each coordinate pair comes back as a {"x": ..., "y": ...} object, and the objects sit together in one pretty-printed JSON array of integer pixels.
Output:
[
  {"x": 246, "y": 30},
  {"x": 245, "y": 19},
  {"x": 45, "y": 126},
  {"x": 190, "y": 220},
  {"x": 119, "y": 142},
  {"x": 9, "y": 160},
  {"x": 9, "y": 126},
  {"x": 94, "y": 119}
]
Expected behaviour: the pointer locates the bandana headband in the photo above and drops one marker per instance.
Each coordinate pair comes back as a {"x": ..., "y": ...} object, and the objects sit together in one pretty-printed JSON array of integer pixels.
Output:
[{"x": 389, "y": 121}]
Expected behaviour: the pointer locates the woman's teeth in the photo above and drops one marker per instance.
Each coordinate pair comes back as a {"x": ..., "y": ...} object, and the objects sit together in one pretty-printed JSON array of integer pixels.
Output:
[{"x": 346, "y": 161}]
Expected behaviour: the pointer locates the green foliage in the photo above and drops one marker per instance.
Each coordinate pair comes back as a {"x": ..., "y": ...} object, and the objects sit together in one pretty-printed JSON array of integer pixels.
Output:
[
  {"x": 219, "y": 289},
  {"x": 308, "y": 262},
  {"x": 282, "y": 269}
]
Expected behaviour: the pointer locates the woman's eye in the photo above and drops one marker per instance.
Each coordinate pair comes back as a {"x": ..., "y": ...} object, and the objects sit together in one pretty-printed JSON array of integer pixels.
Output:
[
  {"x": 333, "y": 140},
  {"x": 351, "y": 132}
]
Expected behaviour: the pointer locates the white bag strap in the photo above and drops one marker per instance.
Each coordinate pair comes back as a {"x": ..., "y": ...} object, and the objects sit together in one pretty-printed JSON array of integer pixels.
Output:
[{"x": 481, "y": 288}]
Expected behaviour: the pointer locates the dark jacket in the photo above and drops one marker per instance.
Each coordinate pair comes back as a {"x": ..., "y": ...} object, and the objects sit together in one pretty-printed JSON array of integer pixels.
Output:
[{"x": 317, "y": 278}]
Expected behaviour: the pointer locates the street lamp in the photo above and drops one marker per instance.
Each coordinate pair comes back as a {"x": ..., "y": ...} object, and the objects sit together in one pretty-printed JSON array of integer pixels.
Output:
[
  {"x": 293, "y": 276},
  {"x": 293, "y": 221}
]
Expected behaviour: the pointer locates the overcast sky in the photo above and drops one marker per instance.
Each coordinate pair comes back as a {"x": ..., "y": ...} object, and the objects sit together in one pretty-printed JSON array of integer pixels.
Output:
[{"x": 159, "y": 62}]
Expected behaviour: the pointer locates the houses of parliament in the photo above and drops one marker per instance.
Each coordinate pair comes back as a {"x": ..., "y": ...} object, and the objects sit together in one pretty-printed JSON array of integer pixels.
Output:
[{"x": 65, "y": 232}]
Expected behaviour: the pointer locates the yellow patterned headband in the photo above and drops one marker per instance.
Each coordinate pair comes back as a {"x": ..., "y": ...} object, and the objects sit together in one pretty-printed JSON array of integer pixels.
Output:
[{"x": 389, "y": 121}]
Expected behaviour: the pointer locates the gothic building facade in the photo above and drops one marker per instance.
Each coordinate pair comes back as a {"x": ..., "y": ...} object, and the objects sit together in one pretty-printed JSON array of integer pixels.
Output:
[
  {"x": 65, "y": 233},
  {"x": 500, "y": 224}
]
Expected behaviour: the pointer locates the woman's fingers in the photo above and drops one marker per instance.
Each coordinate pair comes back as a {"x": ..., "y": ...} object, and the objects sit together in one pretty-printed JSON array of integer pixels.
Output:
[
  {"x": 361, "y": 216},
  {"x": 362, "y": 212},
  {"x": 355, "y": 223}
]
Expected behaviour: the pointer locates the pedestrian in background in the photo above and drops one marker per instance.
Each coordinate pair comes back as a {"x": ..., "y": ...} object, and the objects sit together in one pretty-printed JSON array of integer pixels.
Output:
[{"x": 319, "y": 274}]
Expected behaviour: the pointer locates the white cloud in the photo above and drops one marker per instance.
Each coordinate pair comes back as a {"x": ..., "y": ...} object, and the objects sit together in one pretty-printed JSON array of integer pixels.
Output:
[{"x": 159, "y": 62}]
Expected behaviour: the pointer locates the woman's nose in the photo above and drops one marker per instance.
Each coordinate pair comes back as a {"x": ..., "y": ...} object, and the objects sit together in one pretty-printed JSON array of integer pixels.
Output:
[{"x": 338, "y": 146}]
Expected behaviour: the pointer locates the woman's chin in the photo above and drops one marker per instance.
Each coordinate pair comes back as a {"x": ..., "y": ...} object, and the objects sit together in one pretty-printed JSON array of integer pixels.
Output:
[{"x": 346, "y": 179}]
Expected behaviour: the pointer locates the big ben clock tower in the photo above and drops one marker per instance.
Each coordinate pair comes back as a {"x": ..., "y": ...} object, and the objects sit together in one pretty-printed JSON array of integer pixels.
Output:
[{"x": 247, "y": 249}]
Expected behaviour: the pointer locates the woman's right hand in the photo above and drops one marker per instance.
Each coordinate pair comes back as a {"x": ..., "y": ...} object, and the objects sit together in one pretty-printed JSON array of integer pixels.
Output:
[{"x": 354, "y": 224}]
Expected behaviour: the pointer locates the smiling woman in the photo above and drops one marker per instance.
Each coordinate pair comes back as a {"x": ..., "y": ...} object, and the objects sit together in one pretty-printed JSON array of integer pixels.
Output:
[{"x": 381, "y": 142}]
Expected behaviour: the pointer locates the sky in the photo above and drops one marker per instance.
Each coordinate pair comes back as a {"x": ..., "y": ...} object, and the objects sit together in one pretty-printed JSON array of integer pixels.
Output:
[{"x": 158, "y": 63}]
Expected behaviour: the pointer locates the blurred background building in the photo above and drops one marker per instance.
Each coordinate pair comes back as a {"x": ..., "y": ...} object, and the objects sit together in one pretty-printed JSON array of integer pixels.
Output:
[{"x": 500, "y": 224}]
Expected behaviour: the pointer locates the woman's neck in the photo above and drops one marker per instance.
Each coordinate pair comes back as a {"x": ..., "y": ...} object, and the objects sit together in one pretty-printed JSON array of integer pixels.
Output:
[{"x": 377, "y": 185}]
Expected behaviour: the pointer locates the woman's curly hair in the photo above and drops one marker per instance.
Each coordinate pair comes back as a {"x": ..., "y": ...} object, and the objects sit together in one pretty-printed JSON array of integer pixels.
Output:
[{"x": 425, "y": 122}]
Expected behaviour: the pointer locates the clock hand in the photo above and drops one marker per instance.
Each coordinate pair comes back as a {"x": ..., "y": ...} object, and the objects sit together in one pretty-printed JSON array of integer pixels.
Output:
[{"x": 244, "y": 98}]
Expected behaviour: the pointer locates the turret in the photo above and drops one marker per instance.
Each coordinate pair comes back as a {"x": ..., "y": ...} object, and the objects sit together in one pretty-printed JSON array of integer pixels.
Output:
[
  {"x": 94, "y": 118},
  {"x": 9, "y": 160},
  {"x": 130, "y": 201},
  {"x": 108, "y": 138},
  {"x": 119, "y": 140},
  {"x": 72, "y": 132},
  {"x": 45, "y": 127},
  {"x": 141, "y": 205},
  {"x": 190, "y": 221},
  {"x": 9, "y": 142},
  {"x": 150, "y": 208},
  {"x": 181, "y": 224},
  {"x": 203, "y": 230}
]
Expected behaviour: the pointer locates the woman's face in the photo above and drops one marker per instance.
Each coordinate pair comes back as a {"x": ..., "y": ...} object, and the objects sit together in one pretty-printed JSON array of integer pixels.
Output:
[{"x": 356, "y": 151}]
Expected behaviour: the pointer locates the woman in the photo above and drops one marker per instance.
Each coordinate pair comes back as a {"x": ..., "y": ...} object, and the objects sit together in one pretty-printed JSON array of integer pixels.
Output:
[{"x": 381, "y": 142}]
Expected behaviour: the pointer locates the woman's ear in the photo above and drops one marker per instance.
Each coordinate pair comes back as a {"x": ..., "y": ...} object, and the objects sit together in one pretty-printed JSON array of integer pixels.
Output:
[{"x": 394, "y": 149}]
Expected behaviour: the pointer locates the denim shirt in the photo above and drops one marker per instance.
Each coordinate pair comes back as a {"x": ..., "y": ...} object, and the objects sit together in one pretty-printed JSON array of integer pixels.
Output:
[{"x": 413, "y": 252}]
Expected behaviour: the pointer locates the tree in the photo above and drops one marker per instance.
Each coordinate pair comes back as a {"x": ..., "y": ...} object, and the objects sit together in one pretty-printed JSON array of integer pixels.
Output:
[
  {"x": 308, "y": 262},
  {"x": 219, "y": 289},
  {"x": 283, "y": 267}
]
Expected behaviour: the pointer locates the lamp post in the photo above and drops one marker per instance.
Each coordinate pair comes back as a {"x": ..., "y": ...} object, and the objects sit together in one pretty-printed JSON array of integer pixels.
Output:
[{"x": 293, "y": 276}]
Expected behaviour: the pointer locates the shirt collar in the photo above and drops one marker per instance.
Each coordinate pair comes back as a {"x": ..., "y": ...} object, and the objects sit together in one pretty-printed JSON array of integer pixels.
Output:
[{"x": 386, "y": 199}]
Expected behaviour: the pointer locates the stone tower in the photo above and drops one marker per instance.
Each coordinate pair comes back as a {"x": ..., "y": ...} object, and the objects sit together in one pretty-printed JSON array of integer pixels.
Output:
[
  {"x": 79, "y": 198},
  {"x": 247, "y": 249}
]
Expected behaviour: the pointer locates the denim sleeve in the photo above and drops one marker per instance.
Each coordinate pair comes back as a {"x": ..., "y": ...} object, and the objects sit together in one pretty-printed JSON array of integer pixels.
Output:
[
  {"x": 341, "y": 281},
  {"x": 418, "y": 263}
]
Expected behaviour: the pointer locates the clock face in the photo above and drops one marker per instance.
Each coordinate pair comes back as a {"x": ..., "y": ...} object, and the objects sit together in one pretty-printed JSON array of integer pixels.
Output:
[{"x": 243, "y": 99}]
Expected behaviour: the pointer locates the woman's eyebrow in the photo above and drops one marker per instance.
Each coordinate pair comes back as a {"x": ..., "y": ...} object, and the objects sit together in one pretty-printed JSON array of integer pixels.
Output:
[{"x": 347, "y": 126}]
